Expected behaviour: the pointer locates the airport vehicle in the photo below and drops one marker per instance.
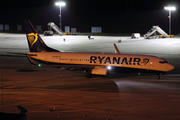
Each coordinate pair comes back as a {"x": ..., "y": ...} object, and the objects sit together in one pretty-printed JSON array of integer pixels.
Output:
[
  {"x": 48, "y": 33},
  {"x": 93, "y": 63},
  {"x": 135, "y": 36}
]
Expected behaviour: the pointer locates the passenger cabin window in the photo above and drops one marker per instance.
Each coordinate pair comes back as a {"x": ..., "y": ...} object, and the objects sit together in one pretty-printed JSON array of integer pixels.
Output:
[{"x": 162, "y": 62}]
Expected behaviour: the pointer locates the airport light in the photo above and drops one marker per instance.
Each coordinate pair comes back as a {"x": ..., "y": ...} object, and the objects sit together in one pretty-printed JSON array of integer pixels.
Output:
[
  {"x": 60, "y": 4},
  {"x": 170, "y": 8}
]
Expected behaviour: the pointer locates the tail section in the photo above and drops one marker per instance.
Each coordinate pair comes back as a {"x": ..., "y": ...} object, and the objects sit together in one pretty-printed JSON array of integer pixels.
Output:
[{"x": 35, "y": 42}]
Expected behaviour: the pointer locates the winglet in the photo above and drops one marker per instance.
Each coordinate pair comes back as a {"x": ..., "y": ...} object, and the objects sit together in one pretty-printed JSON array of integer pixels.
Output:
[{"x": 116, "y": 49}]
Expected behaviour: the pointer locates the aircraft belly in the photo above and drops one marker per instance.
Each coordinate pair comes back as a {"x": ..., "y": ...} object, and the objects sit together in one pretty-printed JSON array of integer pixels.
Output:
[{"x": 130, "y": 70}]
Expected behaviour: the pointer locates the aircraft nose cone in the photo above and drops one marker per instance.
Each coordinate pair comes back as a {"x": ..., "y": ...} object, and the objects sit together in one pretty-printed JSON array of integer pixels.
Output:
[{"x": 170, "y": 67}]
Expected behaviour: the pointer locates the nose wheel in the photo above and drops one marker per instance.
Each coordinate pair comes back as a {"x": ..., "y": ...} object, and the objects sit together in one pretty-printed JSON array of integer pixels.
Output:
[{"x": 158, "y": 76}]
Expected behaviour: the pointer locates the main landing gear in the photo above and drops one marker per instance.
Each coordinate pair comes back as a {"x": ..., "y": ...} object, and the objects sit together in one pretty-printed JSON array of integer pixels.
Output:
[{"x": 88, "y": 74}]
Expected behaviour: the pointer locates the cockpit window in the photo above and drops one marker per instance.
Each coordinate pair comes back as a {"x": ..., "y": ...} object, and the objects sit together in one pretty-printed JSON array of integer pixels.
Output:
[{"x": 162, "y": 62}]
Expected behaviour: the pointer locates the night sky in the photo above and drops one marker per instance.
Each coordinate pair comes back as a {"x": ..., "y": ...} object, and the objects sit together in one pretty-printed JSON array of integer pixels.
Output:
[{"x": 115, "y": 16}]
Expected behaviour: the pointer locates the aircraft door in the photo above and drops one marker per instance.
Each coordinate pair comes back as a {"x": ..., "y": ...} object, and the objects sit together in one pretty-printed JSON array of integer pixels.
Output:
[{"x": 151, "y": 63}]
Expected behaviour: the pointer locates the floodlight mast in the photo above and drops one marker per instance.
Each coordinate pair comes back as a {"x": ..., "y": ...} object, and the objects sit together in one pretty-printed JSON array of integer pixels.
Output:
[
  {"x": 60, "y": 4},
  {"x": 170, "y": 8}
]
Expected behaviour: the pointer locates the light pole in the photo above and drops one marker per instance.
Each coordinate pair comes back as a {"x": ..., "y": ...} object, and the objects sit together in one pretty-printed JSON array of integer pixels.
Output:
[
  {"x": 60, "y": 4},
  {"x": 170, "y": 8}
]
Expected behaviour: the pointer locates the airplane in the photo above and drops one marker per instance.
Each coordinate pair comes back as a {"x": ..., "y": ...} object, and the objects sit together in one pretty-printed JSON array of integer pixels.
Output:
[{"x": 93, "y": 63}]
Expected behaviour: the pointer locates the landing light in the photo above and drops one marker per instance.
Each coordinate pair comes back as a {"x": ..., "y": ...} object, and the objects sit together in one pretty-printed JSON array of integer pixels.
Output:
[{"x": 109, "y": 67}]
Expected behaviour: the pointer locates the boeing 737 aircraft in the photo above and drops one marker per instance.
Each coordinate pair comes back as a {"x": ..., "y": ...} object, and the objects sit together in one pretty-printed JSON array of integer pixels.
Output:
[{"x": 93, "y": 63}]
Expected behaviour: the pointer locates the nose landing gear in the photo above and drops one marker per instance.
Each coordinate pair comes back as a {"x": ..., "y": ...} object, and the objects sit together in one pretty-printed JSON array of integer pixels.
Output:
[{"x": 158, "y": 76}]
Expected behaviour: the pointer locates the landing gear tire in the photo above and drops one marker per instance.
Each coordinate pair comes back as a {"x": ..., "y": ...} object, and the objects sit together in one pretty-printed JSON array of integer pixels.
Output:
[
  {"x": 108, "y": 74},
  {"x": 88, "y": 75},
  {"x": 157, "y": 77}
]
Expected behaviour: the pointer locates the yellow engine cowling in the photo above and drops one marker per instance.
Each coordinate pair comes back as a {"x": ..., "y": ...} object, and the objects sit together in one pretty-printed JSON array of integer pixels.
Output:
[{"x": 99, "y": 71}]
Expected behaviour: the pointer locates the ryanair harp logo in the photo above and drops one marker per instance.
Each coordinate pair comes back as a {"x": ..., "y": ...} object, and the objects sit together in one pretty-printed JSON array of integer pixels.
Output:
[
  {"x": 145, "y": 61},
  {"x": 32, "y": 38}
]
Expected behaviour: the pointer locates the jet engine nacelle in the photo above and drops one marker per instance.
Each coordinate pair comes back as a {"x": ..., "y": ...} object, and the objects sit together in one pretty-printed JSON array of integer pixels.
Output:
[{"x": 99, "y": 71}]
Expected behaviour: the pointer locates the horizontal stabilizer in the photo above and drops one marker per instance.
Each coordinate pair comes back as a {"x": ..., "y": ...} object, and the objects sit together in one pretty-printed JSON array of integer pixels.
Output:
[
  {"x": 28, "y": 56},
  {"x": 31, "y": 61},
  {"x": 16, "y": 53}
]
